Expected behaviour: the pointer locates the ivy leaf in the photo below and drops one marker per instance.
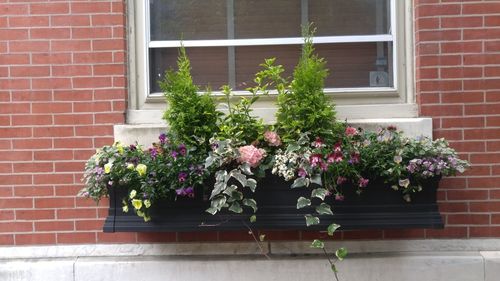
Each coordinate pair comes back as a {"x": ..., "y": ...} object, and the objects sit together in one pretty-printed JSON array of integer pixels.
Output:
[
  {"x": 317, "y": 244},
  {"x": 303, "y": 202},
  {"x": 218, "y": 188},
  {"x": 252, "y": 184},
  {"x": 341, "y": 253},
  {"x": 334, "y": 268},
  {"x": 292, "y": 147},
  {"x": 211, "y": 210},
  {"x": 311, "y": 220},
  {"x": 324, "y": 209},
  {"x": 332, "y": 228},
  {"x": 236, "y": 195},
  {"x": 262, "y": 237},
  {"x": 319, "y": 193},
  {"x": 209, "y": 161},
  {"x": 230, "y": 189},
  {"x": 253, "y": 219},
  {"x": 250, "y": 203},
  {"x": 239, "y": 177},
  {"x": 316, "y": 179},
  {"x": 246, "y": 169},
  {"x": 236, "y": 208},
  {"x": 300, "y": 182}
]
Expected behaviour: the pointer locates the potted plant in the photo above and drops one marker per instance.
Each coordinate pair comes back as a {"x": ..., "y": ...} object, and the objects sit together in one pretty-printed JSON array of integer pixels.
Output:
[{"x": 215, "y": 170}]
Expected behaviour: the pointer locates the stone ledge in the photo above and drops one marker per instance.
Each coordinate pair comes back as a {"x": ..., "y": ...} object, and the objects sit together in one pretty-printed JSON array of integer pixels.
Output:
[{"x": 145, "y": 134}]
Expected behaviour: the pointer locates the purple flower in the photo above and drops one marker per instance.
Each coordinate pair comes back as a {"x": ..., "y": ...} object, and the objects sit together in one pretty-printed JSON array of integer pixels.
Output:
[
  {"x": 99, "y": 171},
  {"x": 302, "y": 173},
  {"x": 182, "y": 149},
  {"x": 174, "y": 154},
  {"x": 154, "y": 152},
  {"x": 187, "y": 191},
  {"x": 133, "y": 147},
  {"x": 182, "y": 176},
  {"x": 163, "y": 138}
]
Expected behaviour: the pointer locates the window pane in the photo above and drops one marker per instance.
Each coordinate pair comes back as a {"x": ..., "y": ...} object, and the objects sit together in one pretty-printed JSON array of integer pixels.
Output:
[
  {"x": 209, "y": 66},
  {"x": 188, "y": 19},
  {"x": 352, "y": 17},
  {"x": 242, "y": 19},
  {"x": 350, "y": 65}
]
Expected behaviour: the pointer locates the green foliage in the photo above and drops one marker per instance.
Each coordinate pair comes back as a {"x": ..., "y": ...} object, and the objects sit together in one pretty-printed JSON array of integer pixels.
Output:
[
  {"x": 303, "y": 106},
  {"x": 192, "y": 117}
]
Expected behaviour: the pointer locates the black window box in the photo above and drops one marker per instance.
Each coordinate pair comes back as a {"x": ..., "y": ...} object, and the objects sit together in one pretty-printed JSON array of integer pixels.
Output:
[{"x": 377, "y": 207}]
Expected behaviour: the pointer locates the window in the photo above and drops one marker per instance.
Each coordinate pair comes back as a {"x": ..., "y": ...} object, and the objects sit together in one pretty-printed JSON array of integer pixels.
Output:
[{"x": 363, "y": 42}]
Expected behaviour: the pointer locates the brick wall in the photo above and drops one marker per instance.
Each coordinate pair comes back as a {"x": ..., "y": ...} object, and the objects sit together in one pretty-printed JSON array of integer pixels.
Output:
[
  {"x": 63, "y": 86},
  {"x": 458, "y": 85}
]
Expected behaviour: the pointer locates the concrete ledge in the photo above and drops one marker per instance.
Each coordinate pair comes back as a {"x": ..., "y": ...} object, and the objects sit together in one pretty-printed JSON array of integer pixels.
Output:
[
  {"x": 145, "y": 134},
  {"x": 430, "y": 260}
]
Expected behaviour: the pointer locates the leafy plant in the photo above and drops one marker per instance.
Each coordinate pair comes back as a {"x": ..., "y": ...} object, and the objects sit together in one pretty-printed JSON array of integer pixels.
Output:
[
  {"x": 192, "y": 117},
  {"x": 302, "y": 105}
]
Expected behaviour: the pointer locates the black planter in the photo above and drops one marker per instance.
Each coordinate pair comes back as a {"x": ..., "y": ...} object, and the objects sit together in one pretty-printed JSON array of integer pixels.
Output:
[{"x": 378, "y": 207}]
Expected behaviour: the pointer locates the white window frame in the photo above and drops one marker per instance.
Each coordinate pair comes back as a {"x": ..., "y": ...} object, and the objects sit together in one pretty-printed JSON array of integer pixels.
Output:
[{"x": 352, "y": 103}]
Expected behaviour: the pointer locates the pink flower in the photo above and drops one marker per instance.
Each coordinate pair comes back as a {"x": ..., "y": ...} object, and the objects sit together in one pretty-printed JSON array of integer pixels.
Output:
[
  {"x": 341, "y": 180},
  {"x": 251, "y": 155},
  {"x": 363, "y": 182},
  {"x": 318, "y": 142},
  {"x": 302, "y": 173},
  {"x": 339, "y": 197},
  {"x": 272, "y": 138},
  {"x": 351, "y": 131},
  {"x": 315, "y": 159}
]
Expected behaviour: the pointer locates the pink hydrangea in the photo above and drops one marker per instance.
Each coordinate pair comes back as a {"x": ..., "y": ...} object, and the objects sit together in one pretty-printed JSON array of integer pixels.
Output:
[
  {"x": 272, "y": 138},
  {"x": 251, "y": 155},
  {"x": 351, "y": 131}
]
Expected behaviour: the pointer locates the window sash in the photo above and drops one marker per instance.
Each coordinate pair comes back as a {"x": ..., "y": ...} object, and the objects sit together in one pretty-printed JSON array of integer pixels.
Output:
[{"x": 370, "y": 91}]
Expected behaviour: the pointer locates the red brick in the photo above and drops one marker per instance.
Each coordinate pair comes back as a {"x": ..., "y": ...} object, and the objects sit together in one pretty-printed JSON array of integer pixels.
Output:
[
  {"x": 470, "y": 146},
  {"x": 73, "y": 119},
  {"x": 493, "y": 96},
  {"x": 495, "y": 194},
  {"x": 52, "y": 178},
  {"x": 91, "y": 32},
  {"x": 15, "y": 179},
  {"x": 119, "y": 237},
  {"x": 118, "y": 7},
  {"x": 482, "y": 109},
  {"x": 440, "y": 85},
  {"x": 13, "y": 34},
  {"x": 235, "y": 236},
  {"x": 109, "y": 69},
  {"x": 6, "y": 215},
  {"x": 28, "y": 46},
  {"x": 493, "y": 121},
  {"x": 492, "y": 46},
  {"x": 495, "y": 218},
  {"x": 16, "y": 203},
  {"x": 69, "y": 190},
  {"x": 32, "y": 143},
  {"x": 16, "y": 226},
  {"x": 492, "y": 71},
  {"x": 92, "y": 107},
  {"x": 84, "y": 154},
  {"x": 476, "y": 134},
  {"x": 119, "y": 82},
  {"x": 492, "y": 20},
  {"x": 71, "y": 70},
  {"x": 29, "y": 71},
  {"x": 493, "y": 146},
  {"x": 110, "y": 118},
  {"x": 33, "y": 167},
  {"x": 197, "y": 236},
  {"x": 462, "y": 47},
  {"x": 49, "y": 8},
  {"x": 481, "y": 8},
  {"x": 439, "y": 35},
  {"x": 478, "y": 171},
  {"x": 16, "y": 155},
  {"x": 362, "y": 234},
  {"x": 13, "y": 9},
  {"x": 31, "y": 96},
  {"x": 52, "y": 83},
  {"x": 70, "y": 20},
  {"x": 119, "y": 32},
  {"x": 33, "y": 191},
  {"x": 14, "y": 84},
  {"x": 426, "y": 23},
  {"x": 483, "y": 182},
  {"x": 92, "y": 82},
  {"x": 70, "y": 45},
  {"x": 54, "y": 226},
  {"x": 462, "y": 97},
  {"x": 485, "y": 231},
  {"x": 440, "y": 60},
  {"x": 447, "y": 232},
  {"x": 113, "y": 94},
  {"x": 108, "y": 44},
  {"x": 461, "y": 72},
  {"x": 95, "y": 57},
  {"x": 35, "y": 214},
  {"x": 485, "y": 207},
  {"x": 88, "y": 225},
  {"x": 119, "y": 106},
  {"x": 5, "y": 168},
  {"x": 488, "y": 33},
  {"x": 19, "y": 132},
  {"x": 29, "y": 21},
  {"x": 51, "y": 58},
  {"x": 6, "y": 192},
  {"x": 481, "y": 59},
  {"x": 106, "y": 20},
  {"x": 6, "y": 239},
  {"x": 468, "y": 219},
  {"x": 158, "y": 237},
  {"x": 460, "y": 22},
  {"x": 453, "y": 183},
  {"x": 35, "y": 238},
  {"x": 73, "y": 143},
  {"x": 76, "y": 238},
  {"x": 54, "y": 203},
  {"x": 50, "y": 33},
  {"x": 436, "y": 10},
  {"x": 442, "y": 110},
  {"x": 90, "y": 7},
  {"x": 484, "y": 84},
  {"x": 466, "y": 195},
  {"x": 10, "y": 59},
  {"x": 76, "y": 213},
  {"x": 485, "y": 158}
]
